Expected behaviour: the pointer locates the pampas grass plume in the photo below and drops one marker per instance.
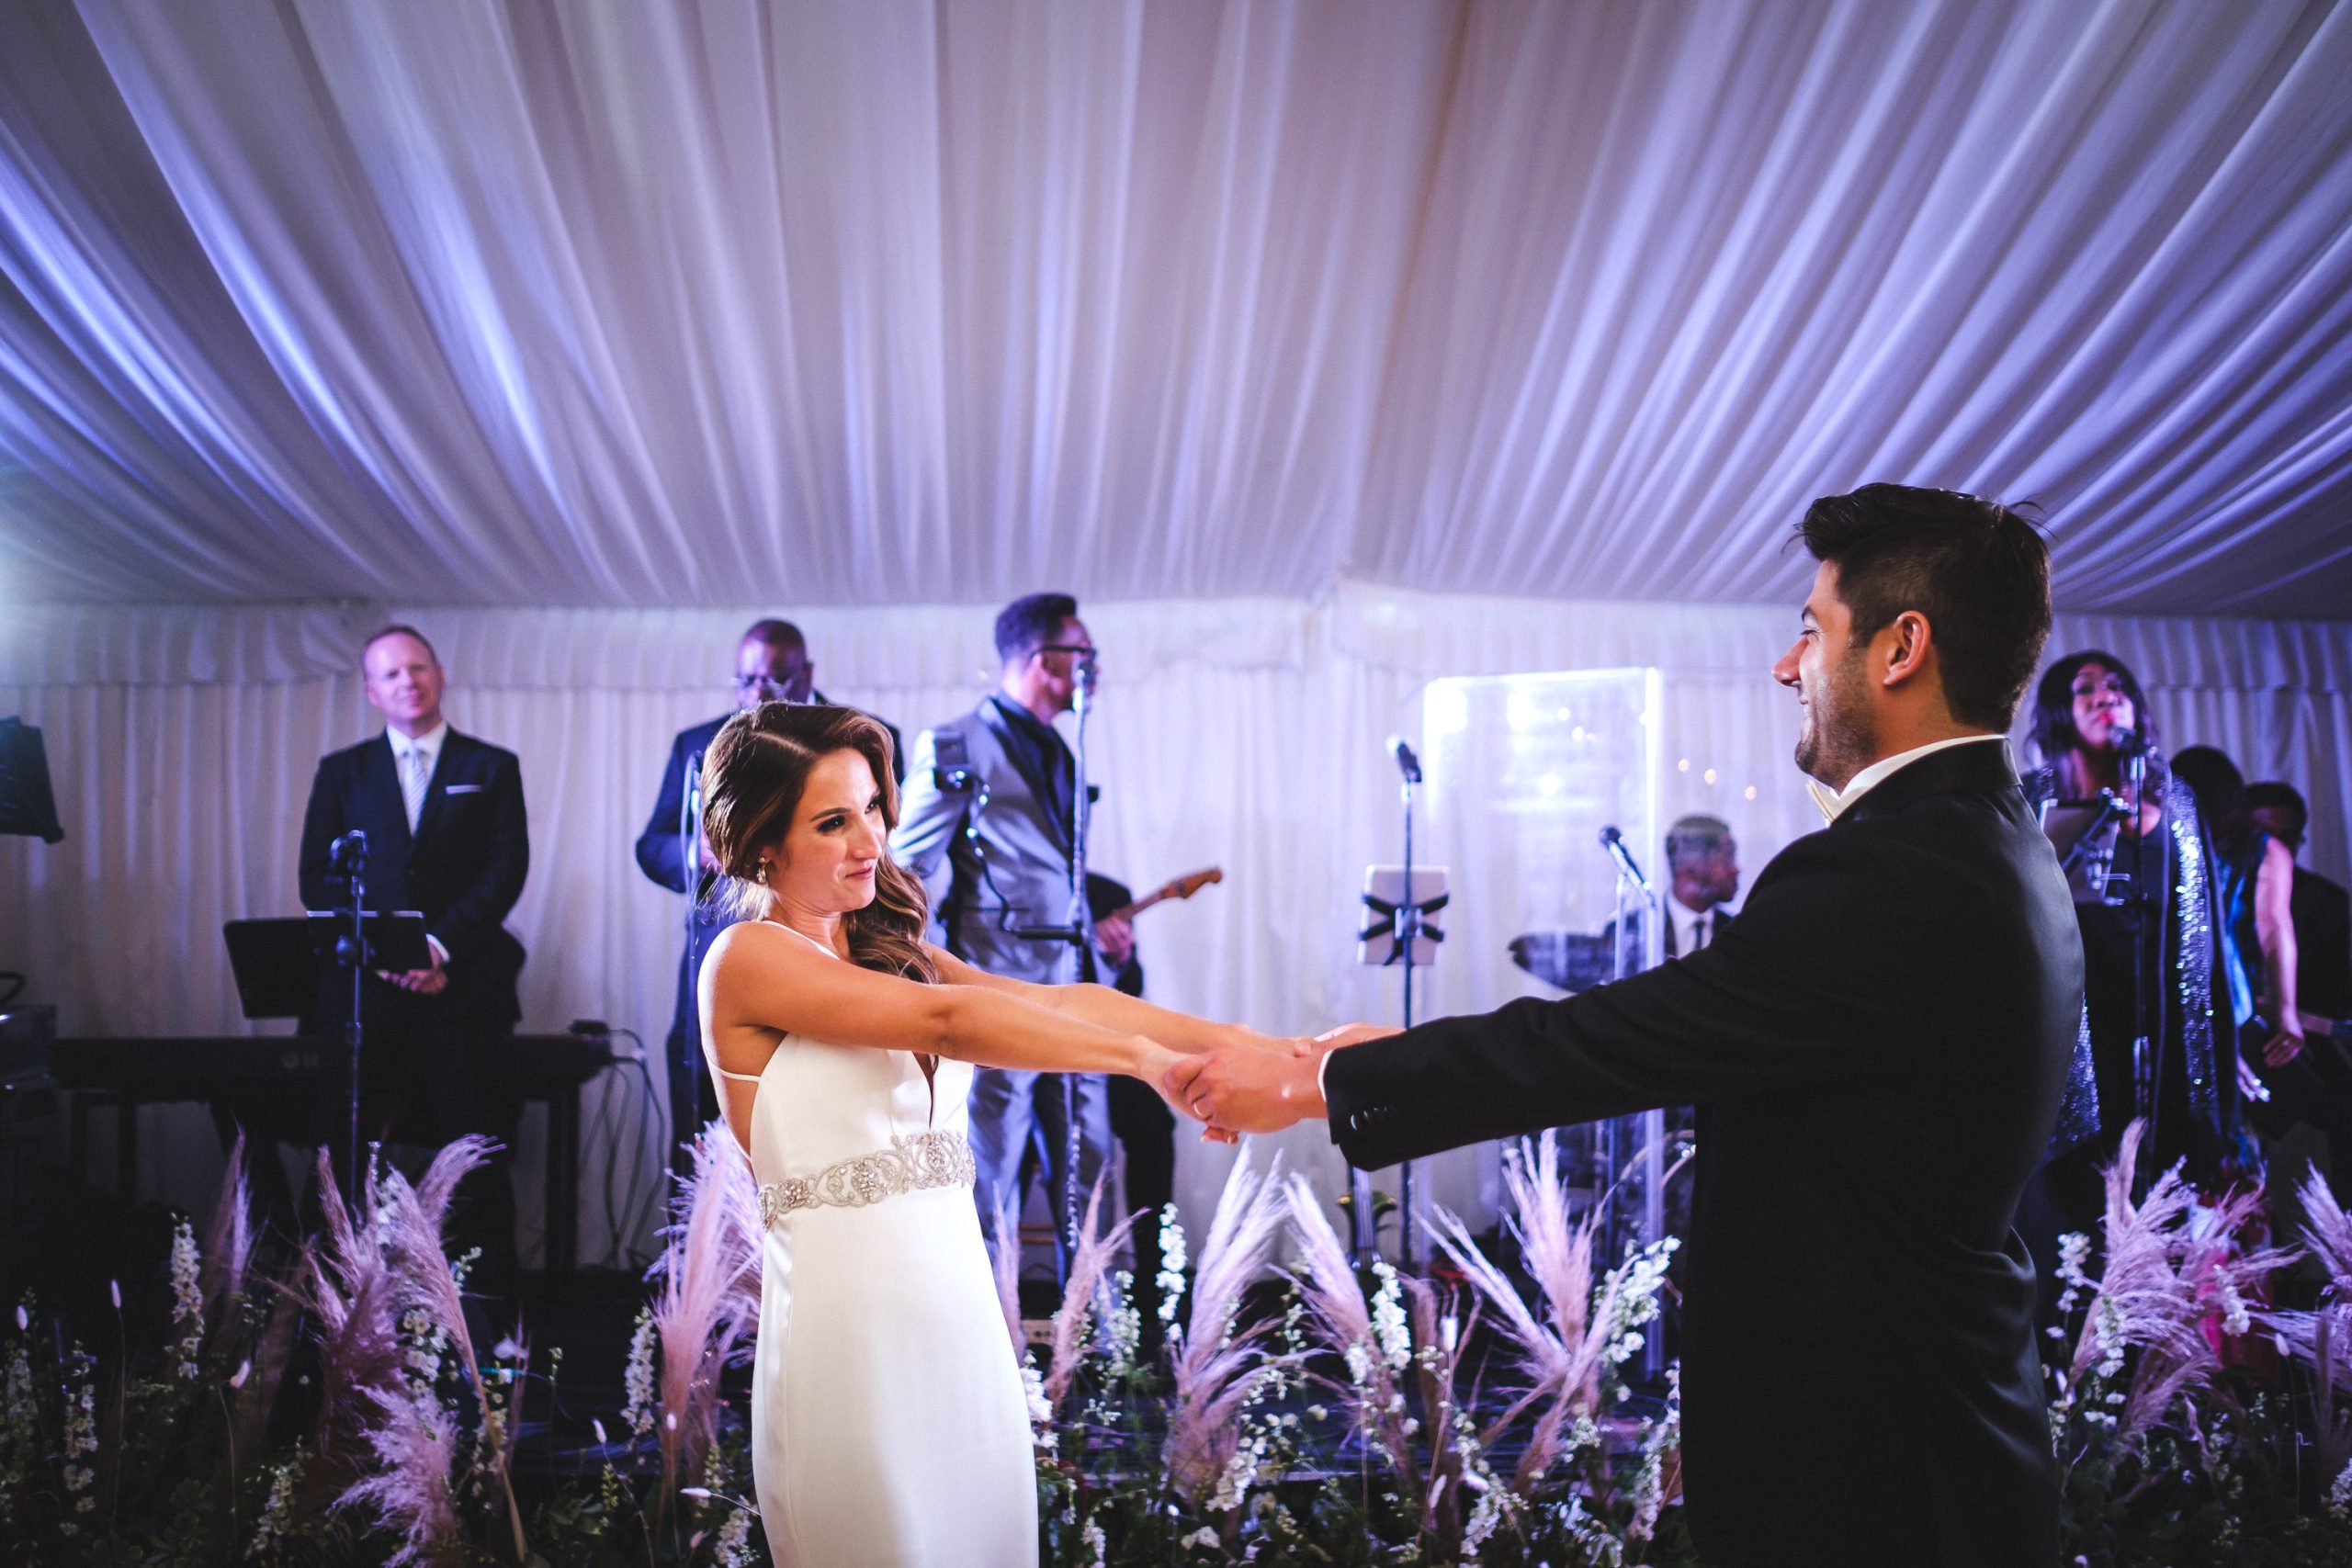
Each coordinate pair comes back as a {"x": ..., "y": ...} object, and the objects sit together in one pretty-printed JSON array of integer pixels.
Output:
[
  {"x": 1214, "y": 1367},
  {"x": 708, "y": 1303}
]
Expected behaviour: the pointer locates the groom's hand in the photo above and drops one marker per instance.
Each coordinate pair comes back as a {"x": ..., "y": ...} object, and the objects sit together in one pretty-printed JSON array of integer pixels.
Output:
[
  {"x": 1348, "y": 1035},
  {"x": 1245, "y": 1090}
]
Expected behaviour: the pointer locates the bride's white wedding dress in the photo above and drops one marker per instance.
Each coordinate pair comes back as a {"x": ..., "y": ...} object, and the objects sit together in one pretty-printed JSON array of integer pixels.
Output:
[{"x": 889, "y": 1428}]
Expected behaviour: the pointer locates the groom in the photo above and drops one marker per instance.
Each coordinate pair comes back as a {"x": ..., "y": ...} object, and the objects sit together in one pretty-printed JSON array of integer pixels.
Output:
[{"x": 1876, "y": 1049}]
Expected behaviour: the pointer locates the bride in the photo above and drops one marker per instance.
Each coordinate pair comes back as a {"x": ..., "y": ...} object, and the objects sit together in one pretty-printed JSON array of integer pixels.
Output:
[{"x": 888, "y": 1423}]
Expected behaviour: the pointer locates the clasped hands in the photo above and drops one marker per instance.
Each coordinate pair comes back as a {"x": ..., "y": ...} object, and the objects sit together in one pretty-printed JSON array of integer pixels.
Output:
[
  {"x": 1257, "y": 1084},
  {"x": 423, "y": 982}
]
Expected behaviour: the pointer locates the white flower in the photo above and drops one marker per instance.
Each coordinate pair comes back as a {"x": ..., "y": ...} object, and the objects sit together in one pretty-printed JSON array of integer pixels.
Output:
[
  {"x": 733, "y": 1547},
  {"x": 1241, "y": 1471},
  {"x": 2233, "y": 1313},
  {"x": 81, "y": 1425},
  {"x": 1205, "y": 1538},
  {"x": 1487, "y": 1516},
  {"x": 1388, "y": 1323},
  {"x": 2339, "y": 1496},
  {"x": 1649, "y": 1485},
  {"x": 1172, "y": 1259},
  {"x": 187, "y": 1298},
  {"x": 1123, "y": 1325},
  {"x": 2074, "y": 1252},
  {"x": 21, "y": 1408},
  {"x": 1090, "y": 1539},
  {"x": 1041, "y": 1409},
  {"x": 637, "y": 1382},
  {"x": 274, "y": 1513}
]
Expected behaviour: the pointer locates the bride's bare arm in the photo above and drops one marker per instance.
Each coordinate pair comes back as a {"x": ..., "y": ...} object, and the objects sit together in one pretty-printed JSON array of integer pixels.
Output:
[
  {"x": 1178, "y": 1031},
  {"x": 759, "y": 982}
]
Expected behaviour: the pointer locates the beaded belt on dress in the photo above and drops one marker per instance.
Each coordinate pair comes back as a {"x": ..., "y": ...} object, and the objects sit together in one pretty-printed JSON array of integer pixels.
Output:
[{"x": 927, "y": 1159}]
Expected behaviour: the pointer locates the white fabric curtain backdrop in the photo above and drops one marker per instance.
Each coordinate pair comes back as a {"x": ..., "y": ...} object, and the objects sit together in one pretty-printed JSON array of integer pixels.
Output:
[
  {"x": 1242, "y": 733},
  {"x": 887, "y": 301}
]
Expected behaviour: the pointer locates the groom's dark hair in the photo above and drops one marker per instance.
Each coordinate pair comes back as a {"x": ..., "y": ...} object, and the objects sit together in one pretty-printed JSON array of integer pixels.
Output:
[{"x": 1977, "y": 570}]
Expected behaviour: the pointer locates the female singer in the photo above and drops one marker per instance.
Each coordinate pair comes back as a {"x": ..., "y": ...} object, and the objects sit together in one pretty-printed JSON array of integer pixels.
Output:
[{"x": 2142, "y": 866}]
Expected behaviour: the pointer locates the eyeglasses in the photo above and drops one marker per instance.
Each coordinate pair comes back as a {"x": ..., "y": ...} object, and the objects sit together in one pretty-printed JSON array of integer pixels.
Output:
[
  {"x": 1086, "y": 653},
  {"x": 764, "y": 683}
]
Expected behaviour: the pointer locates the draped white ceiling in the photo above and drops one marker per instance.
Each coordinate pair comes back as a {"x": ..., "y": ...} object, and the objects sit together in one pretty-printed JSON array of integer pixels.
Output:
[{"x": 887, "y": 302}]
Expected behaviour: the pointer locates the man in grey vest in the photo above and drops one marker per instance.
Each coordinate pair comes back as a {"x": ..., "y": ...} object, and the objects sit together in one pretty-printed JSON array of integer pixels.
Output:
[{"x": 986, "y": 821}]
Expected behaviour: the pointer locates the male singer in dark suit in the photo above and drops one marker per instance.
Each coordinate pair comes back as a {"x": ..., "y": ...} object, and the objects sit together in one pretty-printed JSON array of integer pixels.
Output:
[
  {"x": 772, "y": 665},
  {"x": 447, "y": 836},
  {"x": 1877, "y": 1047},
  {"x": 1702, "y": 871}
]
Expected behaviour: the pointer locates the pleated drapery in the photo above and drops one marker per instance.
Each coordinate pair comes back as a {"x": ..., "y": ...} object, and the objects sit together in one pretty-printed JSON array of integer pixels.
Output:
[{"x": 887, "y": 301}]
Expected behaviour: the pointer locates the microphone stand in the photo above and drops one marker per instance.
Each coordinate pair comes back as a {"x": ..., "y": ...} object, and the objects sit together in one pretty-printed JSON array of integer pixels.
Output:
[
  {"x": 1633, "y": 890},
  {"x": 1075, "y": 932},
  {"x": 349, "y": 855},
  {"x": 1082, "y": 812},
  {"x": 1408, "y": 932},
  {"x": 2147, "y": 1044},
  {"x": 1405, "y": 922},
  {"x": 683, "y": 1119}
]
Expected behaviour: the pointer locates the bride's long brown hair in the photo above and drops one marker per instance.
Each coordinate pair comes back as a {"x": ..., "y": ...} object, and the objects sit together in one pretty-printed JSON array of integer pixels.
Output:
[{"x": 753, "y": 776}]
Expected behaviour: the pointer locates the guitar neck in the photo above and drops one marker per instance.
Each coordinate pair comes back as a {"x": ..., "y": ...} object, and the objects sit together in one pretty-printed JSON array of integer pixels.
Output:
[
  {"x": 1181, "y": 887},
  {"x": 1128, "y": 911}
]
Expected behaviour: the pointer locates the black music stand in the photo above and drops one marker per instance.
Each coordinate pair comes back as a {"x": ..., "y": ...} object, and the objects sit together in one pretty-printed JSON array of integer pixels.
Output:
[
  {"x": 276, "y": 966},
  {"x": 281, "y": 966},
  {"x": 27, "y": 806},
  {"x": 277, "y": 961}
]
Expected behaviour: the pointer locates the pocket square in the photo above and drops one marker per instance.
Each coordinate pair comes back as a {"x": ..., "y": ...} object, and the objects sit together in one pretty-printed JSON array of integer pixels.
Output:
[{"x": 461, "y": 789}]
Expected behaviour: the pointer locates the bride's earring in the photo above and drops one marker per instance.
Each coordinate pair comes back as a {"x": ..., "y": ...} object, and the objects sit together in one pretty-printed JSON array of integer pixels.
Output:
[{"x": 763, "y": 872}]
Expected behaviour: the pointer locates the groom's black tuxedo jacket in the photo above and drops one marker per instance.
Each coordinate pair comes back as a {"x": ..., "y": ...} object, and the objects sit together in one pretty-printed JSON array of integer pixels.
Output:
[{"x": 1877, "y": 1048}]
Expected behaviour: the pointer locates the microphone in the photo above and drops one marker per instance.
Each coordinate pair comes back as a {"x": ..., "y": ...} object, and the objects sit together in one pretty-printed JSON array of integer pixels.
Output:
[
  {"x": 1407, "y": 763},
  {"x": 350, "y": 851},
  {"x": 2129, "y": 742},
  {"x": 1614, "y": 843}
]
